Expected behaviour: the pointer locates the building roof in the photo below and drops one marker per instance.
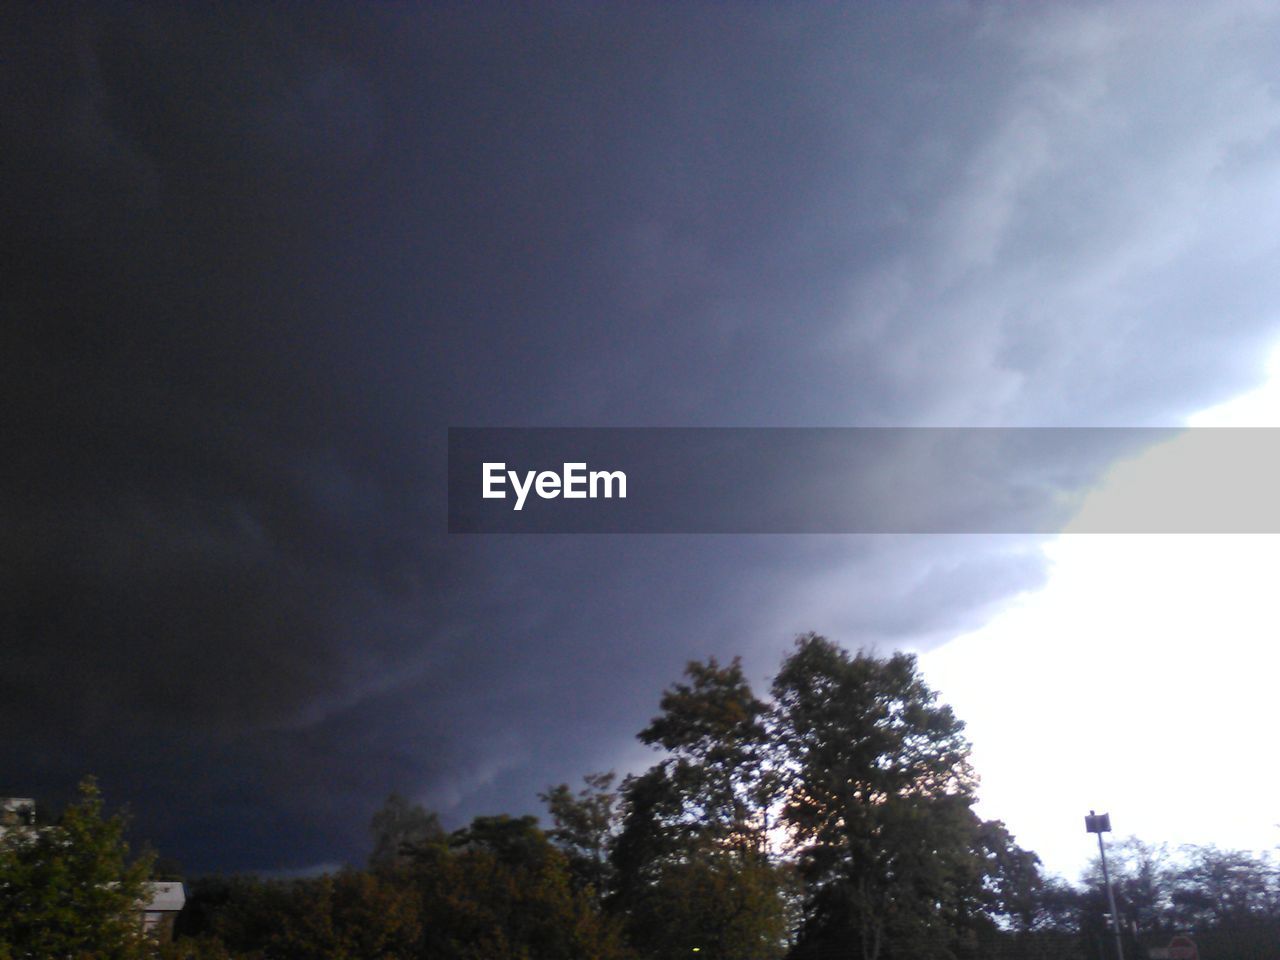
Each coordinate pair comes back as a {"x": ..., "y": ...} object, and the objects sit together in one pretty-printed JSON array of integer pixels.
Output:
[{"x": 165, "y": 896}]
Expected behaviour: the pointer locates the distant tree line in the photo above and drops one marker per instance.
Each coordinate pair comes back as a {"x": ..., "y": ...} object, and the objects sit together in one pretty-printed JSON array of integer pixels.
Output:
[{"x": 832, "y": 820}]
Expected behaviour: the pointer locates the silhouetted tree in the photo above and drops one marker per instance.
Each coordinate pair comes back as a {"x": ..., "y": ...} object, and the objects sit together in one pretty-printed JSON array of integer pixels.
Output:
[
  {"x": 1014, "y": 884},
  {"x": 878, "y": 796},
  {"x": 398, "y": 828},
  {"x": 1216, "y": 887},
  {"x": 584, "y": 829},
  {"x": 692, "y": 858},
  {"x": 501, "y": 891},
  {"x": 347, "y": 915}
]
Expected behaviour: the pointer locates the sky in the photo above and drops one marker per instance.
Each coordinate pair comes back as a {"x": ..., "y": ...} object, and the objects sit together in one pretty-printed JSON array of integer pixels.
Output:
[
  {"x": 258, "y": 259},
  {"x": 1151, "y": 678}
]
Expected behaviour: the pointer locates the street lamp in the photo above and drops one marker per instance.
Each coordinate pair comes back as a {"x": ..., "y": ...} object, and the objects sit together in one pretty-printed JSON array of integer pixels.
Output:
[{"x": 1100, "y": 823}]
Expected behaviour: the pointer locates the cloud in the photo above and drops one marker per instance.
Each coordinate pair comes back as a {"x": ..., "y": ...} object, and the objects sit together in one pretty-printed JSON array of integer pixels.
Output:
[{"x": 259, "y": 262}]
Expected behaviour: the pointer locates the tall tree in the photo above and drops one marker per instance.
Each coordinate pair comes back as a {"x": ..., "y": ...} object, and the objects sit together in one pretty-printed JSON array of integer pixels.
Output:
[
  {"x": 692, "y": 858},
  {"x": 715, "y": 732},
  {"x": 879, "y": 792}
]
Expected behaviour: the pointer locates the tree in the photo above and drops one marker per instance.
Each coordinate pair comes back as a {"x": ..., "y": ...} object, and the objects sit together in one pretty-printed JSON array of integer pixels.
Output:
[
  {"x": 399, "y": 828},
  {"x": 345, "y": 916},
  {"x": 1015, "y": 888},
  {"x": 878, "y": 799},
  {"x": 238, "y": 913},
  {"x": 1142, "y": 882},
  {"x": 715, "y": 730},
  {"x": 1217, "y": 887},
  {"x": 70, "y": 889},
  {"x": 352, "y": 914},
  {"x": 501, "y": 891},
  {"x": 584, "y": 825},
  {"x": 692, "y": 858},
  {"x": 726, "y": 905}
]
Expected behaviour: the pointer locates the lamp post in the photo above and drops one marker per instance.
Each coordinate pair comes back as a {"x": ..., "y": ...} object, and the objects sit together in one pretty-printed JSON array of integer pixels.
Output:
[{"x": 1100, "y": 823}]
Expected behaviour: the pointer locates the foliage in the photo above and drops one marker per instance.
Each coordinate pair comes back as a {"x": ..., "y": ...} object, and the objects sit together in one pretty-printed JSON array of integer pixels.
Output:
[
  {"x": 878, "y": 798},
  {"x": 727, "y": 905},
  {"x": 198, "y": 948},
  {"x": 398, "y": 828},
  {"x": 1015, "y": 889},
  {"x": 497, "y": 890},
  {"x": 346, "y": 916},
  {"x": 70, "y": 889},
  {"x": 853, "y": 761},
  {"x": 1216, "y": 887},
  {"x": 715, "y": 732},
  {"x": 692, "y": 857},
  {"x": 1228, "y": 899},
  {"x": 502, "y": 891},
  {"x": 584, "y": 829}
]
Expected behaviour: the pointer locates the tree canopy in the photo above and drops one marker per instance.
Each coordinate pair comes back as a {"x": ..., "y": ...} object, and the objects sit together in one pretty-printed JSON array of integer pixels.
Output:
[
  {"x": 878, "y": 791},
  {"x": 692, "y": 856},
  {"x": 70, "y": 889},
  {"x": 832, "y": 817}
]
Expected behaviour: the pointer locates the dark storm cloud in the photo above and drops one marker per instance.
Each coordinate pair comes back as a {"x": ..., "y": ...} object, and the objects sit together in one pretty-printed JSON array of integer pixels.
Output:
[{"x": 258, "y": 259}]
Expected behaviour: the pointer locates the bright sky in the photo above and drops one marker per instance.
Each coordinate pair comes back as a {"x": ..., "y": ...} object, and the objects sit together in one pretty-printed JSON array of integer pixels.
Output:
[{"x": 1139, "y": 681}]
